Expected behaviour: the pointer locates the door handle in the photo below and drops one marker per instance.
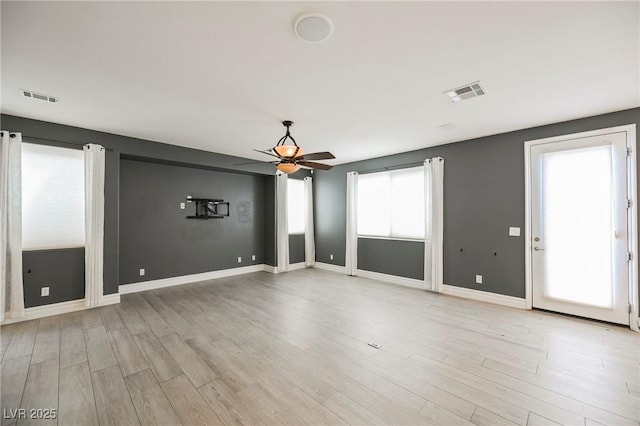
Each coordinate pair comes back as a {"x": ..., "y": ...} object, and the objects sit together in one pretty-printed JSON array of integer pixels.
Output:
[{"x": 536, "y": 248}]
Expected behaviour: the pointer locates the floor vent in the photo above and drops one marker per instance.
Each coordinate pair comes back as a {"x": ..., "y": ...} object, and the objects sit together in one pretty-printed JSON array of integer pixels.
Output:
[
  {"x": 39, "y": 96},
  {"x": 471, "y": 90}
]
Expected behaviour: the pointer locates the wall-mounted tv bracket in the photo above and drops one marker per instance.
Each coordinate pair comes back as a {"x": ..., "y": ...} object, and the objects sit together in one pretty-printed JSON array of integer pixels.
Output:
[{"x": 209, "y": 208}]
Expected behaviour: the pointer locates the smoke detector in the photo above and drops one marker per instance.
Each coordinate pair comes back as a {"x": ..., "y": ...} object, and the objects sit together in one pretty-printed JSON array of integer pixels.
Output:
[
  {"x": 39, "y": 96},
  {"x": 313, "y": 27},
  {"x": 471, "y": 90}
]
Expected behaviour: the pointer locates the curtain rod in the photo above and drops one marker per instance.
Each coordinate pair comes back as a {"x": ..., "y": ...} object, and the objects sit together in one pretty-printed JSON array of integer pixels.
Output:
[
  {"x": 69, "y": 144},
  {"x": 397, "y": 166}
]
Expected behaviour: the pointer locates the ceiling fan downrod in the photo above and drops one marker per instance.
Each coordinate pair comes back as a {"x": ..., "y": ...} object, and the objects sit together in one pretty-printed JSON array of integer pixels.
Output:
[{"x": 283, "y": 149}]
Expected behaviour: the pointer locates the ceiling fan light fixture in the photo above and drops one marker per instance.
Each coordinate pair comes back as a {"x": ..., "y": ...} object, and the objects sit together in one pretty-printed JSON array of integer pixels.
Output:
[
  {"x": 288, "y": 167},
  {"x": 288, "y": 151},
  {"x": 291, "y": 157}
]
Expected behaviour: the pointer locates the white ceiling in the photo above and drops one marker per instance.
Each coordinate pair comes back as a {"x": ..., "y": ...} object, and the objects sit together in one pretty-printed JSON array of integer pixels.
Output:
[{"x": 221, "y": 76}]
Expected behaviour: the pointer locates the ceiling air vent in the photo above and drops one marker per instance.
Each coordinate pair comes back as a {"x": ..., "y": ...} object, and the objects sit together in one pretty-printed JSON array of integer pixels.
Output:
[
  {"x": 39, "y": 96},
  {"x": 470, "y": 90}
]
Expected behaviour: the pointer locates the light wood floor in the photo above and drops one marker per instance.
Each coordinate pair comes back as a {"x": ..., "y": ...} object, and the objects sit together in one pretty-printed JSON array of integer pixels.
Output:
[{"x": 292, "y": 349}]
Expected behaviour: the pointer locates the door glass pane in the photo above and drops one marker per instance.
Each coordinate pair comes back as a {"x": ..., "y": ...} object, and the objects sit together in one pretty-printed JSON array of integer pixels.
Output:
[{"x": 577, "y": 195}]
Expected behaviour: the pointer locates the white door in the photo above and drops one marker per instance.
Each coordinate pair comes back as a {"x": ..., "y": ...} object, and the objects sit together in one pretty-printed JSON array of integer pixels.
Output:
[{"x": 579, "y": 259}]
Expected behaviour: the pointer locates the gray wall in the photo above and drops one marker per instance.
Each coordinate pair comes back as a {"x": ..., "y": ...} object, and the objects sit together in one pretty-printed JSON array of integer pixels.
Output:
[
  {"x": 156, "y": 235},
  {"x": 61, "y": 270},
  {"x": 483, "y": 196},
  {"x": 296, "y": 248},
  {"x": 374, "y": 254},
  {"x": 52, "y": 133}
]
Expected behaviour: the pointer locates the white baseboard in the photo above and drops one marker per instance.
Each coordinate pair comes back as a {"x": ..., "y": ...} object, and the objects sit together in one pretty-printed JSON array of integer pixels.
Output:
[
  {"x": 330, "y": 267},
  {"x": 394, "y": 279},
  {"x": 485, "y": 296},
  {"x": 188, "y": 279},
  {"x": 270, "y": 269},
  {"x": 294, "y": 266},
  {"x": 110, "y": 299},
  {"x": 291, "y": 267},
  {"x": 61, "y": 308}
]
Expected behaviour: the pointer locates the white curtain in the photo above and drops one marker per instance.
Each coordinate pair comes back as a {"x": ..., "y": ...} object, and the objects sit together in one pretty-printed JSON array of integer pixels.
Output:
[
  {"x": 434, "y": 221},
  {"x": 11, "y": 290},
  {"x": 94, "y": 167},
  {"x": 282, "y": 228},
  {"x": 309, "y": 237},
  {"x": 351, "y": 250}
]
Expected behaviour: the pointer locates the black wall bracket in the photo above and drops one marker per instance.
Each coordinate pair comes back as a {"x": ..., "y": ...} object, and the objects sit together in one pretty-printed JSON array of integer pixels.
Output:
[{"x": 209, "y": 208}]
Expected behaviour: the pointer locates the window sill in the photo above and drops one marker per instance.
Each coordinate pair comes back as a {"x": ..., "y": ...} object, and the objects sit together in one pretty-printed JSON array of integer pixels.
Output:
[{"x": 415, "y": 240}]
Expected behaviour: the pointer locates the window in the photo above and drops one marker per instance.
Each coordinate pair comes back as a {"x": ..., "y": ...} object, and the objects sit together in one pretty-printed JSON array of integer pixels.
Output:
[
  {"x": 391, "y": 204},
  {"x": 295, "y": 206},
  {"x": 52, "y": 197}
]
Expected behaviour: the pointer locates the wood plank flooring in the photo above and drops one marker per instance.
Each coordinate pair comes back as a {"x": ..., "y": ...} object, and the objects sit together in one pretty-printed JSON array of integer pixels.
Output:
[{"x": 292, "y": 349}]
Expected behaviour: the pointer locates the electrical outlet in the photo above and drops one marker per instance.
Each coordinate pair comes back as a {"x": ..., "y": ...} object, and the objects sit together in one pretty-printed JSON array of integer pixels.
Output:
[
  {"x": 239, "y": 259},
  {"x": 142, "y": 272},
  {"x": 182, "y": 206},
  {"x": 44, "y": 291},
  {"x": 253, "y": 257},
  {"x": 330, "y": 257},
  {"x": 478, "y": 279}
]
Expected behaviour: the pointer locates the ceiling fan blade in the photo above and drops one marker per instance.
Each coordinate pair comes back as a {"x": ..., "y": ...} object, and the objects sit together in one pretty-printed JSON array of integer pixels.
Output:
[
  {"x": 314, "y": 165},
  {"x": 317, "y": 156},
  {"x": 268, "y": 152}
]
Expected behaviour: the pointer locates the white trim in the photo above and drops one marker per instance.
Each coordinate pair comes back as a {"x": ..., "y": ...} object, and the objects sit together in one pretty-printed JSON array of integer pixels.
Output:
[
  {"x": 110, "y": 299},
  {"x": 633, "y": 227},
  {"x": 270, "y": 269},
  {"x": 294, "y": 266},
  {"x": 630, "y": 130},
  {"x": 188, "y": 279},
  {"x": 376, "y": 237},
  {"x": 485, "y": 296},
  {"x": 528, "y": 274},
  {"x": 330, "y": 267},
  {"x": 393, "y": 279},
  {"x": 61, "y": 308}
]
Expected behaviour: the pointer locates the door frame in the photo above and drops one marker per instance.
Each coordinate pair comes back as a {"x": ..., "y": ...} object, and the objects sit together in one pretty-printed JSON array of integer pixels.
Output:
[{"x": 632, "y": 194}]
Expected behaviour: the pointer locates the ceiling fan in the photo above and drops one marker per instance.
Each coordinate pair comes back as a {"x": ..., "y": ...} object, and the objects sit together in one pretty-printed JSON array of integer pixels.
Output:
[{"x": 292, "y": 157}]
